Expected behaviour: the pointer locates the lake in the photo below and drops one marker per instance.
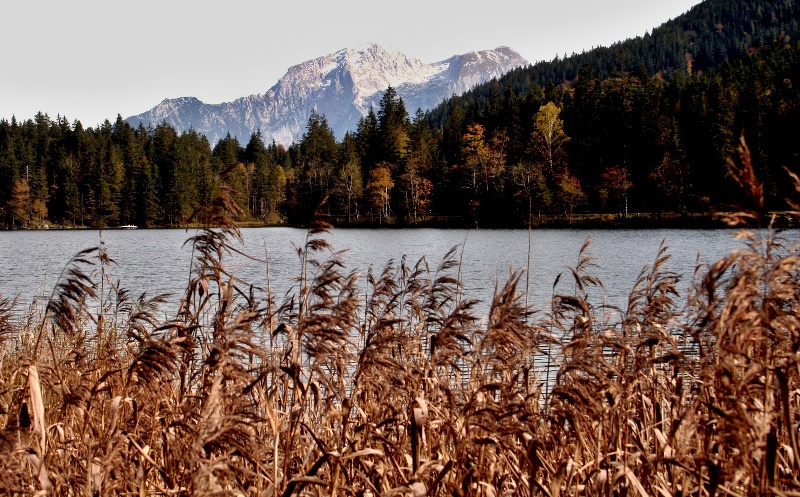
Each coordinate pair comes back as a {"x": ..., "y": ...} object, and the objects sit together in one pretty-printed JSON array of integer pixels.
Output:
[{"x": 157, "y": 261}]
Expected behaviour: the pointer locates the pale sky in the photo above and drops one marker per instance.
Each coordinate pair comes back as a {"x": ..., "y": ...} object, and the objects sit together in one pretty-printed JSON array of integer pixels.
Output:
[{"x": 93, "y": 59}]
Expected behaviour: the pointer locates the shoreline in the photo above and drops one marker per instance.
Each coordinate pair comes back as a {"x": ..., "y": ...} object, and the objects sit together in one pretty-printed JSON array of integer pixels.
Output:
[{"x": 634, "y": 221}]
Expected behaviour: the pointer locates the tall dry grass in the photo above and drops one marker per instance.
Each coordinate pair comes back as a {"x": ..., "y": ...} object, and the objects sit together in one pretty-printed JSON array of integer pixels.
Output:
[{"x": 401, "y": 388}]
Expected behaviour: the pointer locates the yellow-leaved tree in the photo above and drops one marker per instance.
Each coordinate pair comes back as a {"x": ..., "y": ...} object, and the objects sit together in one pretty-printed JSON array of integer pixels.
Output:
[{"x": 379, "y": 188}]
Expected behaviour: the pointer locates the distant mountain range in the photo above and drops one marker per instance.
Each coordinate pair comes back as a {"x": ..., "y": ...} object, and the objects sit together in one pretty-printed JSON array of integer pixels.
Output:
[{"x": 342, "y": 86}]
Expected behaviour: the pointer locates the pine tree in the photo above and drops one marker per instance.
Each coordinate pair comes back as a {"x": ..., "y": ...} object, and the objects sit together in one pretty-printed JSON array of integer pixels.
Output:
[
  {"x": 393, "y": 128},
  {"x": 255, "y": 156}
]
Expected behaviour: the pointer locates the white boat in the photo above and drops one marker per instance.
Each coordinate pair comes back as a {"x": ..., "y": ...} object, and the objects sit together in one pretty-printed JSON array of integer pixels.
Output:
[{"x": 128, "y": 227}]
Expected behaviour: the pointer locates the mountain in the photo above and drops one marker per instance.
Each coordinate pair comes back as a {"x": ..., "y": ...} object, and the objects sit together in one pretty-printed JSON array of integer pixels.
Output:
[
  {"x": 341, "y": 86},
  {"x": 707, "y": 36}
]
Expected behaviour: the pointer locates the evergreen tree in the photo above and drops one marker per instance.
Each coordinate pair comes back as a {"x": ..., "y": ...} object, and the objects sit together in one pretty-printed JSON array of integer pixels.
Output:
[
  {"x": 367, "y": 141},
  {"x": 166, "y": 158},
  {"x": 314, "y": 164},
  {"x": 393, "y": 129},
  {"x": 255, "y": 156}
]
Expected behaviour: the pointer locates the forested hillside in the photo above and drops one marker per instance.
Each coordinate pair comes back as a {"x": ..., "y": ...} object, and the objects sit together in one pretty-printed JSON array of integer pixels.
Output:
[
  {"x": 711, "y": 34},
  {"x": 647, "y": 125}
]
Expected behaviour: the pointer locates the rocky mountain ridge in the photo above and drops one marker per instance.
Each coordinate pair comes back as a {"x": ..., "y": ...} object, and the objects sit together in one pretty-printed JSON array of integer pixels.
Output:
[{"x": 342, "y": 86}]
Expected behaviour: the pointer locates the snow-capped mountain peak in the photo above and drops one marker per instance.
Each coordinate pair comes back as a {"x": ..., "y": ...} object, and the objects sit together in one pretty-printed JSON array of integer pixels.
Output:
[{"x": 341, "y": 85}]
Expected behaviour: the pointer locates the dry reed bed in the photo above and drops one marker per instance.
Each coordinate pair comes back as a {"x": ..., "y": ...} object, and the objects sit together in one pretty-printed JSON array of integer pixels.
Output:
[{"x": 400, "y": 388}]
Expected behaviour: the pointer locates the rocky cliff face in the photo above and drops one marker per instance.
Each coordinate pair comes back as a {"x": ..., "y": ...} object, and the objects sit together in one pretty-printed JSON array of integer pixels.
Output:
[{"x": 342, "y": 86}]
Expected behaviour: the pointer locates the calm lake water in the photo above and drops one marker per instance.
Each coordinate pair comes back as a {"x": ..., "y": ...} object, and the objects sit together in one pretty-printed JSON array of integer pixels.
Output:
[{"x": 157, "y": 261}]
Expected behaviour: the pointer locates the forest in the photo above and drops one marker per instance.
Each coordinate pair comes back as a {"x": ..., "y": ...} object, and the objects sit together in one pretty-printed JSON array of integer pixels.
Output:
[{"x": 649, "y": 125}]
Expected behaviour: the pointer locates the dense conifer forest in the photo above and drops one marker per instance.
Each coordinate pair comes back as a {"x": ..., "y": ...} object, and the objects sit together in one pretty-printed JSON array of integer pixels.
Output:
[{"x": 648, "y": 125}]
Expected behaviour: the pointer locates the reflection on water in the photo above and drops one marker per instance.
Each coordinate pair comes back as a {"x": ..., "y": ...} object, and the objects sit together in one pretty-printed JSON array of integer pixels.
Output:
[{"x": 158, "y": 261}]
